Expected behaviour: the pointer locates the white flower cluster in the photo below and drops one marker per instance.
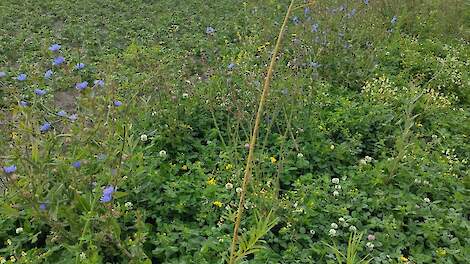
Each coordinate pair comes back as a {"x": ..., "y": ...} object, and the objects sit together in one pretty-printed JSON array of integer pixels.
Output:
[
  {"x": 366, "y": 160},
  {"x": 337, "y": 186}
]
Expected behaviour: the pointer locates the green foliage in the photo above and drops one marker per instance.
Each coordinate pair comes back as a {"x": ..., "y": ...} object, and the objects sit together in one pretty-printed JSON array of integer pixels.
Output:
[
  {"x": 365, "y": 132},
  {"x": 351, "y": 252}
]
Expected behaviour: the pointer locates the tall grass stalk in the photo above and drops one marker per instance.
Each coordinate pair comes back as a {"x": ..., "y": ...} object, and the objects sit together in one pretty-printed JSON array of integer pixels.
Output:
[{"x": 249, "y": 162}]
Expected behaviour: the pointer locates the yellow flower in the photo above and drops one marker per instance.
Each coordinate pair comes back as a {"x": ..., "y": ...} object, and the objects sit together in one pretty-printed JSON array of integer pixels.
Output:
[
  {"x": 403, "y": 259},
  {"x": 211, "y": 181},
  {"x": 273, "y": 160},
  {"x": 229, "y": 166},
  {"x": 441, "y": 252},
  {"x": 217, "y": 203},
  {"x": 185, "y": 167}
]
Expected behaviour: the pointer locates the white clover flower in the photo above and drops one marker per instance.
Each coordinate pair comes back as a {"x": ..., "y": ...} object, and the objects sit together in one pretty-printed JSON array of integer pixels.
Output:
[
  {"x": 427, "y": 200},
  {"x": 238, "y": 190},
  {"x": 143, "y": 137},
  {"x": 334, "y": 225},
  {"x": 370, "y": 245},
  {"x": 82, "y": 255},
  {"x": 338, "y": 187},
  {"x": 228, "y": 186},
  {"x": 128, "y": 205},
  {"x": 352, "y": 229},
  {"x": 365, "y": 160},
  {"x": 332, "y": 232},
  {"x": 185, "y": 95},
  {"x": 335, "y": 180},
  {"x": 19, "y": 230},
  {"x": 300, "y": 155},
  {"x": 335, "y": 193},
  {"x": 341, "y": 219},
  {"x": 162, "y": 153}
]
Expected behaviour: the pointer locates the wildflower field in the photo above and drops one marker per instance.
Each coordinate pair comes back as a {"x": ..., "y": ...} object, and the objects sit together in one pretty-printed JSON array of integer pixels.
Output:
[{"x": 132, "y": 132}]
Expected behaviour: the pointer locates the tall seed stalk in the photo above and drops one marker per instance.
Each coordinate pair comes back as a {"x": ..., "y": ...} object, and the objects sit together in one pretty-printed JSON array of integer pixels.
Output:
[{"x": 254, "y": 135}]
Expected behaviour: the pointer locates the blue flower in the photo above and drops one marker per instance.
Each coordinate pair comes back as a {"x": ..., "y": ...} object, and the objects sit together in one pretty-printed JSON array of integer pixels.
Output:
[
  {"x": 62, "y": 113},
  {"x": 315, "y": 27},
  {"x": 231, "y": 66},
  {"x": 107, "y": 194},
  {"x": 394, "y": 20},
  {"x": 54, "y": 47},
  {"x": 99, "y": 83},
  {"x": 45, "y": 127},
  {"x": 306, "y": 11},
  {"x": 58, "y": 61},
  {"x": 366, "y": 2},
  {"x": 117, "y": 103},
  {"x": 315, "y": 65},
  {"x": 2, "y": 74},
  {"x": 39, "y": 92},
  {"x": 352, "y": 13},
  {"x": 21, "y": 77},
  {"x": 9, "y": 169},
  {"x": 77, "y": 164},
  {"x": 79, "y": 66},
  {"x": 210, "y": 30},
  {"x": 73, "y": 117},
  {"x": 81, "y": 86},
  {"x": 296, "y": 20},
  {"x": 42, "y": 207},
  {"x": 48, "y": 74},
  {"x": 23, "y": 103}
]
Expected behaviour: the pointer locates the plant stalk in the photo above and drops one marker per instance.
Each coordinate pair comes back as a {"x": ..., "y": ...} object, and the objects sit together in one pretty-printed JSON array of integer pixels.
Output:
[{"x": 249, "y": 162}]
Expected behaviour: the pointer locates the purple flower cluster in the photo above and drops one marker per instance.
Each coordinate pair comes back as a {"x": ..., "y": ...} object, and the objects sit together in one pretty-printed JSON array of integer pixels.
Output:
[
  {"x": 54, "y": 47},
  {"x": 210, "y": 30},
  {"x": 21, "y": 77},
  {"x": 48, "y": 74},
  {"x": 81, "y": 86},
  {"x": 40, "y": 92},
  {"x": 79, "y": 66},
  {"x": 9, "y": 169},
  {"x": 77, "y": 164},
  {"x": 99, "y": 83},
  {"x": 58, "y": 61},
  {"x": 45, "y": 127},
  {"x": 107, "y": 194}
]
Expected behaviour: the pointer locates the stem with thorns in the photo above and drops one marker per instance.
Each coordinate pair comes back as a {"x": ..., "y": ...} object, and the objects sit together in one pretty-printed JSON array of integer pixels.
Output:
[{"x": 249, "y": 162}]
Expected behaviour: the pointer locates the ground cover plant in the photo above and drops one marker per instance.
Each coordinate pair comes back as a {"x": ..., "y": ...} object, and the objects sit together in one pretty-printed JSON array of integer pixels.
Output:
[{"x": 125, "y": 129}]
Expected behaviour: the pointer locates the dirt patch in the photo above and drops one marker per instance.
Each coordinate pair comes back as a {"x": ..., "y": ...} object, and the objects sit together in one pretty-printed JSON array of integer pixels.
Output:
[{"x": 65, "y": 100}]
